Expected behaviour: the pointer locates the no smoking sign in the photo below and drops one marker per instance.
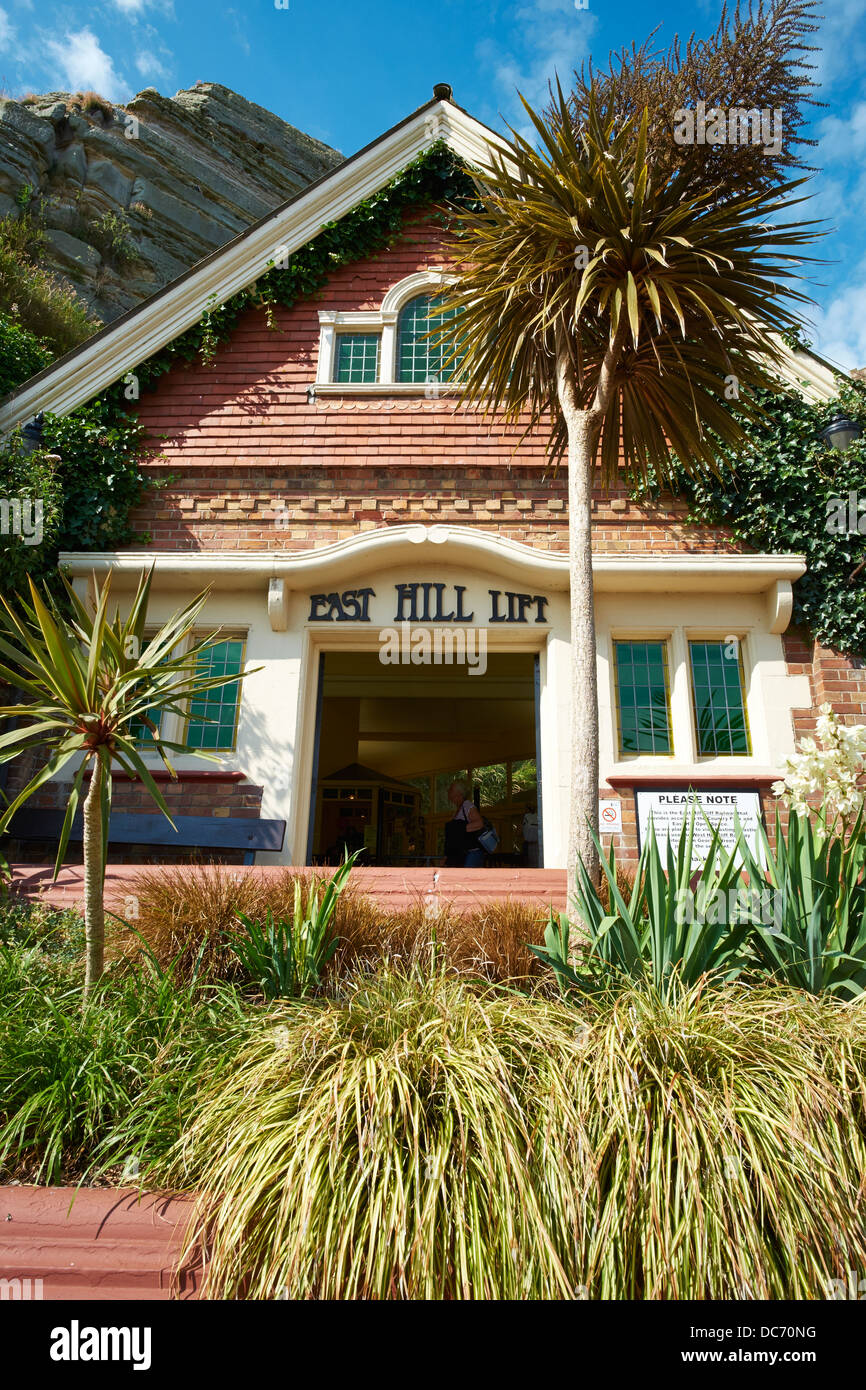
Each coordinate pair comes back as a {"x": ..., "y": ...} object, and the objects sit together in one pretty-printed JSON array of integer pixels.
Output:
[{"x": 610, "y": 817}]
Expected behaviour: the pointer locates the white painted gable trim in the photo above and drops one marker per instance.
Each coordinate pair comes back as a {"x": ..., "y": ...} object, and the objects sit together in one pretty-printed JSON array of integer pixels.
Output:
[
  {"x": 275, "y": 571},
  {"x": 119, "y": 348}
]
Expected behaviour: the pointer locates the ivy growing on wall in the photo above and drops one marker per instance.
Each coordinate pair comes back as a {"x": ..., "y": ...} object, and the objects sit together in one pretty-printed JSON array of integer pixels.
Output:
[
  {"x": 776, "y": 493},
  {"x": 90, "y": 494},
  {"x": 785, "y": 490},
  {"x": 435, "y": 179}
]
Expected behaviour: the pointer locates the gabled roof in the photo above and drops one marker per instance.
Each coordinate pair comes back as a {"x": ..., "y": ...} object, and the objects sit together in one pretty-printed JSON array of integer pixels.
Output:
[
  {"x": 143, "y": 330},
  {"x": 121, "y": 345}
]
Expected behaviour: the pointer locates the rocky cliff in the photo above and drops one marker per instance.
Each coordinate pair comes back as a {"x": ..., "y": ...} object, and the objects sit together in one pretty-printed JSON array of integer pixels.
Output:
[{"x": 131, "y": 196}]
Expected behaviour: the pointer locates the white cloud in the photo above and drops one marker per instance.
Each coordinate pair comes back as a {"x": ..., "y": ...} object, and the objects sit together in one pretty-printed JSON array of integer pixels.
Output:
[
  {"x": 149, "y": 65},
  {"x": 840, "y": 329},
  {"x": 840, "y": 139},
  {"x": 7, "y": 32},
  {"x": 841, "y": 40},
  {"x": 81, "y": 63},
  {"x": 545, "y": 38},
  {"x": 133, "y": 8}
]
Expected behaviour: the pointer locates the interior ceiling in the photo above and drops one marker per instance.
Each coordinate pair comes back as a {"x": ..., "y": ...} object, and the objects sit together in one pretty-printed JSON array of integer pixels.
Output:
[{"x": 405, "y": 720}]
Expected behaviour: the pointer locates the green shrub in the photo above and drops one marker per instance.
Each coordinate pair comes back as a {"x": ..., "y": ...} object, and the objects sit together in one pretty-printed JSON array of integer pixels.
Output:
[
  {"x": 57, "y": 932},
  {"x": 186, "y": 910},
  {"x": 677, "y": 926},
  {"x": 817, "y": 938},
  {"x": 382, "y": 1147},
  {"x": 22, "y": 354},
  {"x": 29, "y": 546},
  {"x": 287, "y": 957},
  {"x": 421, "y": 1139},
  {"x": 81, "y": 1091},
  {"x": 33, "y": 296}
]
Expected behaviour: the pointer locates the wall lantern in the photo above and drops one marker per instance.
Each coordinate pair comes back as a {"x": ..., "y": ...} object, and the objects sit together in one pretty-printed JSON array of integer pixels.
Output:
[
  {"x": 840, "y": 433},
  {"x": 31, "y": 434}
]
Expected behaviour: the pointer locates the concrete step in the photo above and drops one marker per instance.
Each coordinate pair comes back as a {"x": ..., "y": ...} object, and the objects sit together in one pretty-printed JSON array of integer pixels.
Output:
[{"x": 94, "y": 1243}]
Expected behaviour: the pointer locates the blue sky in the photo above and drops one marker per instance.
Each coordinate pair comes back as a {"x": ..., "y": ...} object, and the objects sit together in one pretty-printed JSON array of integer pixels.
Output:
[{"x": 345, "y": 72}]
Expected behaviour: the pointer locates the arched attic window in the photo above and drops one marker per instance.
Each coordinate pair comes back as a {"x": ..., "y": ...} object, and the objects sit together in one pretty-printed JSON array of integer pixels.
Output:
[
  {"x": 420, "y": 357},
  {"x": 365, "y": 350}
]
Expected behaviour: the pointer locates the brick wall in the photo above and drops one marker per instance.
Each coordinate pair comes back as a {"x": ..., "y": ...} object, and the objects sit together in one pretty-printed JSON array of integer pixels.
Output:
[
  {"x": 247, "y": 462},
  {"x": 216, "y": 794},
  {"x": 244, "y": 448}
]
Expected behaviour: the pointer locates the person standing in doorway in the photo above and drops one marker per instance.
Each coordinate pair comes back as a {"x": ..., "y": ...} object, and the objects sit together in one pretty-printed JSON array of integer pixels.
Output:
[
  {"x": 530, "y": 836},
  {"x": 462, "y": 850}
]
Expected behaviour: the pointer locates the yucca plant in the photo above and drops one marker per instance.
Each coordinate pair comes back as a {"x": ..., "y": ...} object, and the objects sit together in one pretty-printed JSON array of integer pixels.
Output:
[
  {"x": 816, "y": 940},
  {"x": 621, "y": 307},
  {"x": 286, "y": 957},
  {"x": 678, "y": 925},
  {"x": 89, "y": 679}
]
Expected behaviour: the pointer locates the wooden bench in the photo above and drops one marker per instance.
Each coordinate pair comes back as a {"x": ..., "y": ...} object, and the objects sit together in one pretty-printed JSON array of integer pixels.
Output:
[{"x": 248, "y": 833}]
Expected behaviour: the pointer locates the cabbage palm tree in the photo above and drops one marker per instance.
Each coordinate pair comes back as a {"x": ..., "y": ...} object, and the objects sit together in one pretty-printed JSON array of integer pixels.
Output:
[
  {"x": 621, "y": 309},
  {"x": 91, "y": 683}
]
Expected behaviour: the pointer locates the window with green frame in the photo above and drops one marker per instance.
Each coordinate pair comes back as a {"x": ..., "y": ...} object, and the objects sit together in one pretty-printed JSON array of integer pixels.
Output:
[
  {"x": 642, "y": 697},
  {"x": 419, "y": 357},
  {"x": 719, "y": 700},
  {"x": 357, "y": 357},
  {"x": 213, "y": 716},
  {"x": 138, "y": 730}
]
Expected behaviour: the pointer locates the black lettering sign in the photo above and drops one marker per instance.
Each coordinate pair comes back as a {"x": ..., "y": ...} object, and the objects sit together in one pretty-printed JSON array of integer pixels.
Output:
[{"x": 352, "y": 606}]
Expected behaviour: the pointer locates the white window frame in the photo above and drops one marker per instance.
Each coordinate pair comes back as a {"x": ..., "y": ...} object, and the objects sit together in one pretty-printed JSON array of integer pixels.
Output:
[{"x": 384, "y": 322}]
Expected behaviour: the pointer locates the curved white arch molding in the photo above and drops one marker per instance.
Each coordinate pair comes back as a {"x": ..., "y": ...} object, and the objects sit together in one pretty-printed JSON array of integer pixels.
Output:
[
  {"x": 469, "y": 546},
  {"x": 422, "y": 282}
]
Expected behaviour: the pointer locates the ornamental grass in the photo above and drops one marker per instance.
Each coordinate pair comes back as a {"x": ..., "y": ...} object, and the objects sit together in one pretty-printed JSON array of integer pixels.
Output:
[
  {"x": 183, "y": 915},
  {"x": 421, "y": 1138}
]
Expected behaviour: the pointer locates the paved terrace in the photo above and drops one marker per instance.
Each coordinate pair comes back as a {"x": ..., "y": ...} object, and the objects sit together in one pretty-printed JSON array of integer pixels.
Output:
[{"x": 393, "y": 888}]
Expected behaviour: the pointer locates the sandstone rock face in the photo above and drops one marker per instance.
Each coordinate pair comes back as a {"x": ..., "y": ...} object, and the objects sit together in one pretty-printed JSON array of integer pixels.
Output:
[{"x": 132, "y": 196}]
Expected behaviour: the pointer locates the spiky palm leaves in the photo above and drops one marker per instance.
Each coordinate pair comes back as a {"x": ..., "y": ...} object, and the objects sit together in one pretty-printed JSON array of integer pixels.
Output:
[
  {"x": 621, "y": 311},
  {"x": 89, "y": 680},
  {"x": 580, "y": 242}
]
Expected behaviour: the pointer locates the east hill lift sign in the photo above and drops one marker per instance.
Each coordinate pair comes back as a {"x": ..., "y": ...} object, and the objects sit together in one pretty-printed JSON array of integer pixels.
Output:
[{"x": 428, "y": 602}]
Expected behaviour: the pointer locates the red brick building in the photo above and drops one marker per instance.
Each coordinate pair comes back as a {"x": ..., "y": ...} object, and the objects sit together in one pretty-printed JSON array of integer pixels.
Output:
[{"x": 347, "y": 509}]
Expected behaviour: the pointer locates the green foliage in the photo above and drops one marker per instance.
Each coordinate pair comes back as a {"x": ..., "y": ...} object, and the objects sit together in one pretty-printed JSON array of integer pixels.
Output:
[
  {"x": 418, "y": 1139},
  {"x": 773, "y": 492},
  {"x": 89, "y": 680},
  {"x": 588, "y": 264},
  {"x": 817, "y": 938},
  {"x": 81, "y": 1091},
  {"x": 31, "y": 479},
  {"x": 287, "y": 957},
  {"x": 22, "y": 354},
  {"x": 678, "y": 926},
  {"x": 795, "y": 912},
  {"x": 87, "y": 497},
  {"x": 114, "y": 239},
  {"x": 33, "y": 296},
  {"x": 100, "y": 470}
]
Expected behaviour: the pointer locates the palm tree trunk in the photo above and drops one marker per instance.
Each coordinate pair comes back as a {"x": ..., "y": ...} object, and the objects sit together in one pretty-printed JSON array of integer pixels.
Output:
[
  {"x": 583, "y": 813},
  {"x": 583, "y": 427},
  {"x": 94, "y": 912}
]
